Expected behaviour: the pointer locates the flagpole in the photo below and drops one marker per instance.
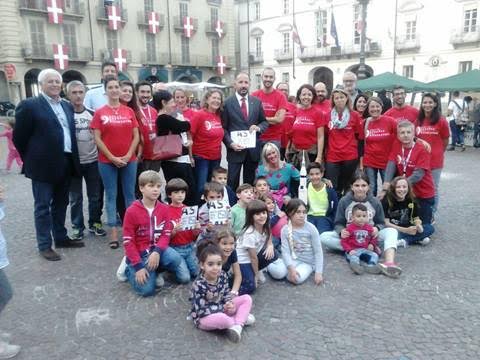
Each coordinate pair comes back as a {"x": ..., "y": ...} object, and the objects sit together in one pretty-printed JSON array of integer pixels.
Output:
[
  {"x": 293, "y": 42},
  {"x": 395, "y": 37}
]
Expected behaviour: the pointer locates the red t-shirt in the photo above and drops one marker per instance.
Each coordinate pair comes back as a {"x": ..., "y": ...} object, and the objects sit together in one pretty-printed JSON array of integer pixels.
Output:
[
  {"x": 181, "y": 237},
  {"x": 207, "y": 135},
  {"x": 288, "y": 122},
  {"x": 435, "y": 136},
  {"x": 405, "y": 113},
  {"x": 304, "y": 129},
  {"x": 379, "y": 137},
  {"x": 418, "y": 158},
  {"x": 189, "y": 113},
  {"x": 271, "y": 103},
  {"x": 148, "y": 127},
  {"x": 325, "y": 106},
  {"x": 116, "y": 127},
  {"x": 343, "y": 143}
]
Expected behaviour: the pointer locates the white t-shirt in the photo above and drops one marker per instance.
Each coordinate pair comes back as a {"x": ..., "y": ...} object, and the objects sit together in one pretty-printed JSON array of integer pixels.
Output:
[
  {"x": 250, "y": 239},
  {"x": 456, "y": 110}
]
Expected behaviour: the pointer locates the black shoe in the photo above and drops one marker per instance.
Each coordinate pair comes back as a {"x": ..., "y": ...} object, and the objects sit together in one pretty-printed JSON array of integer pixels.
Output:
[
  {"x": 69, "y": 243},
  {"x": 50, "y": 255},
  {"x": 451, "y": 148}
]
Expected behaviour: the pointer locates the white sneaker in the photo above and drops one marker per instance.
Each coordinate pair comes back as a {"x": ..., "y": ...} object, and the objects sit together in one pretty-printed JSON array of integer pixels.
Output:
[
  {"x": 234, "y": 333},
  {"x": 250, "y": 320},
  {"x": 402, "y": 243},
  {"x": 121, "y": 270},
  {"x": 8, "y": 351},
  {"x": 356, "y": 268},
  {"x": 424, "y": 241},
  {"x": 261, "y": 277},
  {"x": 159, "y": 282}
]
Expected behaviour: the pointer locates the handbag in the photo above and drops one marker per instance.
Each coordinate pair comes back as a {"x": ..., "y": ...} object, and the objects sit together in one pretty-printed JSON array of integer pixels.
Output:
[{"x": 166, "y": 147}]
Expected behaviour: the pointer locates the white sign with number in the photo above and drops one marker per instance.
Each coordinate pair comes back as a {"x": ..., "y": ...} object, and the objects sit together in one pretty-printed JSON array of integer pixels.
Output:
[
  {"x": 189, "y": 217},
  {"x": 218, "y": 212},
  {"x": 248, "y": 139}
]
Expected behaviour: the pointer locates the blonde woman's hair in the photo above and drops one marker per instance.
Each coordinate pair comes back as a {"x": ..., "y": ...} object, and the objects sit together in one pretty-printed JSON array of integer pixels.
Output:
[{"x": 266, "y": 148}]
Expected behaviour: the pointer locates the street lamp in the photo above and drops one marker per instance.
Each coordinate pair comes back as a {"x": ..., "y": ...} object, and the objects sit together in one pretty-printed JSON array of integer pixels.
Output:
[{"x": 362, "y": 71}]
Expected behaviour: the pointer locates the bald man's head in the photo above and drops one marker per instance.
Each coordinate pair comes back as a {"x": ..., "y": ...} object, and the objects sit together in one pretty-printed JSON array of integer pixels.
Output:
[{"x": 321, "y": 91}]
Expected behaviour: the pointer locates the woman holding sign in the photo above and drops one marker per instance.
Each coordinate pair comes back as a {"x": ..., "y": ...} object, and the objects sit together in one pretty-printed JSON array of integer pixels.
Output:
[
  {"x": 307, "y": 131},
  {"x": 207, "y": 135}
]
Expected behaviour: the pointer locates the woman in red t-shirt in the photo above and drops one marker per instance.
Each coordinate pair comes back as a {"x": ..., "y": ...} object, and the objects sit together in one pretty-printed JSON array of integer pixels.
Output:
[
  {"x": 345, "y": 135},
  {"x": 380, "y": 133},
  {"x": 207, "y": 135},
  {"x": 307, "y": 130},
  {"x": 116, "y": 135},
  {"x": 434, "y": 129},
  {"x": 360, "y": 104}
]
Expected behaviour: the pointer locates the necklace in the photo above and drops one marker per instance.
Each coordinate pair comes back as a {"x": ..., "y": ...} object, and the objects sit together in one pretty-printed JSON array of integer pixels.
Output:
[{"x": 115, "y": 110}]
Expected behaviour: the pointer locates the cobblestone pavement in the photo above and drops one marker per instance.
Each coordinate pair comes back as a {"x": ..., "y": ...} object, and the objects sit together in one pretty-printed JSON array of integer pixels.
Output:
[{"x": 75, "y": 308}]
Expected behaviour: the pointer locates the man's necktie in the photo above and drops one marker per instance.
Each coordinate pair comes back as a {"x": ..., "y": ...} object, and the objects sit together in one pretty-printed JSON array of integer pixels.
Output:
[{"x": 244, "y": 109}]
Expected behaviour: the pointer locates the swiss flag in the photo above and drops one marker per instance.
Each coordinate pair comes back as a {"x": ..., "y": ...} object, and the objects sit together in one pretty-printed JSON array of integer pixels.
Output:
[
  {"x": 187, "y": 26},
  {"x": 221, "y": 64},
  {"x": 55, "y": 11},
  {"x": 114, "y": 17},
  {"x": 219, "y": 28},
  {"x": 60, "y": 56},
  {"x": 120, "y": 58},
  {"x": 153, "y": 22}
]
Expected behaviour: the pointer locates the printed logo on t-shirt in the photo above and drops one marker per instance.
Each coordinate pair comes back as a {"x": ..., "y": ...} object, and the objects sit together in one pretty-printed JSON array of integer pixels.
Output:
[
  {"x": 212, "y": 125},
  {"x": 376, "y": 133},
  {"x": 427, "y": 130},
  {"x": 302, "y": 120},
  {"x": 360, "y": 236},
  {"x": 114, "y": 119}
]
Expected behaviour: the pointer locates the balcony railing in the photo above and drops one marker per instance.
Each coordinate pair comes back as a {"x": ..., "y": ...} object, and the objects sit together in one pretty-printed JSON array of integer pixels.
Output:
[
  {"x": 102, "y": 14},
  {"x": 407, "y": 43},
  {"x": 75, "y": 10},
  {"x": 45, "y": 52},
  {"x": 178, "y": 24},
  {"x": 345, "y": 51},
  {"x": 461, "y": 37},
  {"x": 255, "y": 58},
  {"x": 210, "y": 28},
  {"x": 282, "y": 55},
  {"x": 107, "y": 54},
  {"x": 156, "y": 58},
  {"x": 194, "y": 60},
  {"x": 142, "y": 20}
]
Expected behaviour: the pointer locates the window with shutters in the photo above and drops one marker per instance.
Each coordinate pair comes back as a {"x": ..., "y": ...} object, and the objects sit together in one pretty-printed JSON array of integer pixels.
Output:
[
  {"x": 70, "y": 39},
  {"x": 37, "y": 37}
]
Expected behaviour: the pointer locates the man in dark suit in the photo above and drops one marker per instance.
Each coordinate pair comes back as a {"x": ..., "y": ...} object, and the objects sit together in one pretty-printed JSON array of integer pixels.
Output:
[
  {"x": 44, "y": 135},
  {"x": 242, "y": 112}
]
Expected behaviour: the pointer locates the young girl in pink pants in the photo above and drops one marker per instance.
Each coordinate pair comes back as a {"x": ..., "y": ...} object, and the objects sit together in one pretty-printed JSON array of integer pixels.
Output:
[
  {"x": 214, "y": 307},
  {"x": 12, "y": 151}
]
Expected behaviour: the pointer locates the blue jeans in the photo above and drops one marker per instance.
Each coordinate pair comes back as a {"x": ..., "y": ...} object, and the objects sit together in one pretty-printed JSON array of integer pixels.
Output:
[
  {"x": 109, "y": 174},
  {"x": 50, "y": 208},
  {"x": 172, "y": 261},
  {"x": 425, "y": 209},
  {"x": 372, "y": 174},
  {"x": 436, "y": 174},
  {"x": 189, "y": 260},
  {"x": 148, "y": 288},
  {"x": 322, "y": 223},
  {"x": 367, "y": 256},
  {"x": 203, "y": 172},
  {"x": 428, "y": 230},
  {"x": 90, "y": 173},
  {"x": 5, "y": 290},
  {"x": 457, "y": 132}
]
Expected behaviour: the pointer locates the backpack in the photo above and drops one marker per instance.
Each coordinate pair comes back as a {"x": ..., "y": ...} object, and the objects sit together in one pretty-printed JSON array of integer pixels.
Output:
[{"x": 463, "y": 116}]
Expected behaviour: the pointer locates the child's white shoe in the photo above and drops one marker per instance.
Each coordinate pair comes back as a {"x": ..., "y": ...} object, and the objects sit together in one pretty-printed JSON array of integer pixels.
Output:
[
  {"x": 402, "y": 243},
  {"x": 159, "y": 282},
  {"x": 234, "y": 333},
  {"x": 261, "y": 277},
  {"x": 250, "y": 320},
  {"x": 121, "y": 270},
  {"x": 424, "y": 241},
  {"x": 8, "y": 351}
]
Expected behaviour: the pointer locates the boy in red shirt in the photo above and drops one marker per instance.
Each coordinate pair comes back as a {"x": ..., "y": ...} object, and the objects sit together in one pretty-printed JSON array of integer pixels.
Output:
[
  {"x": 412, "y": 161},
  {"x": 361, "y": 247},
  {"x": 182, "y": 240},
  {"x": 146, "y": 234}
]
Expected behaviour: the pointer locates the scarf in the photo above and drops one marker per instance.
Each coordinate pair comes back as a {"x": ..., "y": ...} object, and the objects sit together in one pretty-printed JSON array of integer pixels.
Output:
[{"x": 339, "y": 123}]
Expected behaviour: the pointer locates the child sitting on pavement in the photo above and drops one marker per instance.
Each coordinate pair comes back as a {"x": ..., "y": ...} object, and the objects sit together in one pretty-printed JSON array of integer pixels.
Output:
[
  {"x": 220, "y": 175},
  {"x": 361, "y": 247},
  {"x": 182, "y": 241},
  {"x": 213, "y": 192},
  {"x": 245, "y": 196}
]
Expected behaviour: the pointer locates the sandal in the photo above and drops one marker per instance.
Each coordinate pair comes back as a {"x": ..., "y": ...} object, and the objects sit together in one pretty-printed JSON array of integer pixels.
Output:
[
  {"x": 390, "y": 269},
  {"x": 114, "y": 244}
]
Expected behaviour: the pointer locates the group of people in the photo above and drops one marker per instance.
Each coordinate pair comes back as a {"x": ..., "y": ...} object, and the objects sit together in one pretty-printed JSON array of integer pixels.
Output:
[{"x": 372, "y": 186}]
